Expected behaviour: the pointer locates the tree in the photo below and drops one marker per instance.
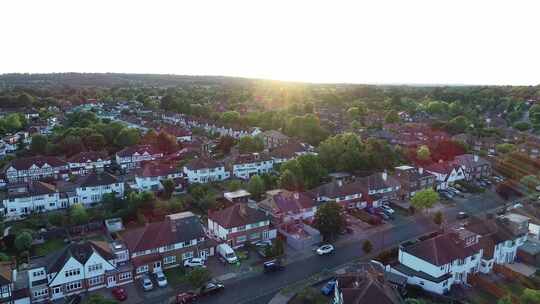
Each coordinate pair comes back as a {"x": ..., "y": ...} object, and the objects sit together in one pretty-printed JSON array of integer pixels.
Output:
[
  {"x": 23, "y": 241},
  {"x": 423, "y": 153},
  {"x": 522, "y": 126},
  {"x": 311, "y": 170},
  {"x": 505, "y": 300},
  {"x": 438, "y": 218},
  {"x": 256, "y": 186},
  {"x": 288, "y": 180},
  {"x": 233, "y": 185},
  {"x": 98, "y": 299},
  {"x": 198, "y": 276},
  {"x": 392, "y": 117},
  {"x": 25, "y": 100},
  {"x": 367, "y": 247},
  {"x": 78, "y": 214},
  {"x": 458, "y": 124},
  {"x": 530, "y": 296},
  {"x": 342, "y": 152},
  {"x": 55, "y": 219},
  {"x": 309, "y": 295},
  {"x": 168, "y": 187},
  {"x": 166, "y": 142},
  {"x": 150, "y": 138},
  {"x": 505, "y": 148},
  {"x": 225, "y": 144},
  {"x": 95, "y": 142},
  {"x": 424, "y": 199},
  {"x": 329, "y": 220},
  {"x": 127, "y": 137},
  {"x": 230, "y": 117},
  {"x": 39, "y": 144},
  {"x": 248, "y": 144},
  {"x": 4, "y": 257},
  {"x": 72, "y": 144}
]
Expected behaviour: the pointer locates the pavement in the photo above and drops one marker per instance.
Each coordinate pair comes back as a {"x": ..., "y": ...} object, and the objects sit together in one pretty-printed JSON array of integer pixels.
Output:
[{"x": 253, "y": 287}]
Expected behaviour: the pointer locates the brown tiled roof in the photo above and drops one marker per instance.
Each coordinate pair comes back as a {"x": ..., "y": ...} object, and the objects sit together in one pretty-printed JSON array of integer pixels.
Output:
[
  {"x": 89, "y": 156},
  {"x": 250, "y": 158},
  {"x": 166, "y": 232},
  {"x": 441, "y": 249},
  {"x": 365, "y": 287},
  {"x": 31, "y": 188},
  {"x": 375, "y": 181},
  {"x": 288, "y": 150},
  {"x": 202, "y": 163},
  {"x": 237, "y": 215},
  {"x": 287, "y": 201},
  {"x": 6, "y": 270},
  {"x": 27, "y": 162},
  {"x": 151, "y": 169},
  {"x": 96, "y": 179},
  {"x": 79, "y": 251},
  {"x": 141, "y": 149},
  {"x": 335, "y": 189}
]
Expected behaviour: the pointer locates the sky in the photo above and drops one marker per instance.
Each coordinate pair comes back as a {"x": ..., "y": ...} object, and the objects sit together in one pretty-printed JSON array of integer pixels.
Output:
[{"x": 361, "y": 41}]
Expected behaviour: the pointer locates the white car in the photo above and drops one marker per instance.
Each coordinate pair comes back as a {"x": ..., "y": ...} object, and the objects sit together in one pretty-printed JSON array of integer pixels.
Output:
[
  {"x": 325, "y": 249},
  {"x": 387, "y": 209},
  {"x": 263, "y": 243},
  {"x": 147, "y": 283},
  {"x": 194, "y": 262},
  {"x": 161, "y": 279}
]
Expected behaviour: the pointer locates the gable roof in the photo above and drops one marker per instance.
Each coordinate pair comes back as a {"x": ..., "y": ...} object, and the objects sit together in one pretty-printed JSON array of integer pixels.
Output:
[
  {"x": 237, "y": 215},
  {"x": 366, "y": 287},
  {"x": 27, "y": 162},
  {"x": 32, "y": 188},
  {"x": 6, "y": 271},
  {"x": 88, "y": 156},
  {"x": 286, "y": 201},
  {"x": 167, "y": 232},
  {"x": 140, "y": 149},
  {"x": 336, "y": 189},
  {"x": 80, "y": 252},
  {"x": 289, "y": 150},
  {"x": 96, "y": 179},
  {"x": 440, "y": 250},
  {"x": 153, "y": 169},
  {"x": 203, "y": 163}
]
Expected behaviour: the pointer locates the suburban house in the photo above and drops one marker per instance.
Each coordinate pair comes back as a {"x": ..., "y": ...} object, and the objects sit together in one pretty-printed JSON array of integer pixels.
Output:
[
  {"x": 239, "y": 224},
  {"x": 86, "y": 162},
  {"x": 475, "y": 167},
  {"x": 203, "y": 170},
  {"x": 79, "y": 267},
  {"x": 26, "y": 198},
  {"x": 150, "y": 176},
  {"x": 90, "y": 188},
  {"x": 435, "y": 264},
  {"x": 273, "y": 139},
  {"x": 348, "y": 195},
  {"x": 6, "y": 282},
  {"x": 244, "y": 166},
  {"x": 289, "y": 151},
  {"x": 285, "y": 206},
  {"x": 413, "y": 180},
  {"x": 380, "y": 187},
  {"x": 446, "y": 173},
  {"x": 132, "y": 157},
  {"x": 165, "y": 244},
  {"x": 368, "y": 285},
  {"x": 35, "y": 168},
  {"x": 499, "y": 238},
  {"x": 181, "y": 134}
]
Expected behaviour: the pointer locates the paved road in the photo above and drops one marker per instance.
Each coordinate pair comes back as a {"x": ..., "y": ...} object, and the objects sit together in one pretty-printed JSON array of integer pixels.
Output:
[{"x": 260, "y": 288}]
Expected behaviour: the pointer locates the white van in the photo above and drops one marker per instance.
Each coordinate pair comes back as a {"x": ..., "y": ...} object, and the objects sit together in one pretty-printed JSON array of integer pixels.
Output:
[{"x": 226, "y": 252}]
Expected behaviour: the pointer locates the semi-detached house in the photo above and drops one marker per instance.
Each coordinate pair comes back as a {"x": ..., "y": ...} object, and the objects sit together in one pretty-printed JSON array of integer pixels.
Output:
[
  {"x": 203, "y": 170},
  {"x": 245, "y": 166},
  {"x": 239, "y": 224},
  {"x": 79, "y": 267},
  {"x": 150, "y": 176},
  {"x": 165, "y": 244},
  {"x": 132, "y": 157},
  {"x": 85, "y": 162},
  {"x": 35, "y": 168},
  {"x": 26, "y": 198}
]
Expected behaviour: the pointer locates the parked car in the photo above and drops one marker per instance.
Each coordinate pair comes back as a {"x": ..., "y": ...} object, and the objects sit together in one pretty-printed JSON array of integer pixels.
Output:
[
  {"x": 194, "y": 262},
  {"x": 272, "y": 266},
  {"x": 325, "y": 249},
  {"x": 387, "y": 209},
  {"x": 462, "y": 215},
  {"x": 119, "y": 294},
  {"x": 211, "y": 288},
  {"x": 161, "y": 279},
  {"x": 146, "y": 283},
  {"x": 227, "y": 253},
  {"x": 186, "y": 298},
  {"x": 328, "y": 288},
  {"x": 263, "y": 243}
]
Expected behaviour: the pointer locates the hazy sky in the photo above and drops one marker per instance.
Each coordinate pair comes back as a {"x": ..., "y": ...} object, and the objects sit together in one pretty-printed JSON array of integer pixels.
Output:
[{"x": 361, "y": 41}]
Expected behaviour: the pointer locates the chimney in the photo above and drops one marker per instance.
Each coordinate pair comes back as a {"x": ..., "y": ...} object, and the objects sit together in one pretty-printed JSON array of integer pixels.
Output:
[
  {"x": 440, "y": 161},
  {"x": 475, "y": 158},
  {"x": 296, "y": 195},
  {"x": 384, "y": 175},
  {"x": 14, "y": 275},
  {"x": 421, "y": 170},
  {"x": 340, "y": 182}
]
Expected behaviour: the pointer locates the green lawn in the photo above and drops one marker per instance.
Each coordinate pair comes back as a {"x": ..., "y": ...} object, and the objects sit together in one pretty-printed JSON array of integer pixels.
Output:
[
  {"x": 48, "y": 247},
  {"x": 175, "y": 276}
]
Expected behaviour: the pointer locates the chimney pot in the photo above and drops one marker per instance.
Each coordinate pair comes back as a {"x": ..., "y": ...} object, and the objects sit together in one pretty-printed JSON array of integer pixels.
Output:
[
  {"x": 421, "y": 170},
  {"x": 384, "y": 175}
]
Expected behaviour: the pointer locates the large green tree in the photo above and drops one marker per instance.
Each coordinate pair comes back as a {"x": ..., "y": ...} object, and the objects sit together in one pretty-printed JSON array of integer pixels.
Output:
[
  {"x": 23, "y": 241},
  {"x": 424, "y": 199},
  {"x": 39, "y": 144},
  {"x": 256, "y": 186},
  {"x": 198, "y": 276},
  {"x": 342, "y": 152},
  {"x": 329, "y": 220},
  {"x": 78, "y": 214}
]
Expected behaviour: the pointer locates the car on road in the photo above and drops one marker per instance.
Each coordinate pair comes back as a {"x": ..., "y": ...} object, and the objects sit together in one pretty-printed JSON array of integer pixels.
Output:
[
  {"x": 194, "y": 262},
  {"x": 462, "y": 215},
  {"x": 211, "y": 288},
  {"x": 161, "y": 279},
  {"x": 273, "y": 266},
  {"x": 119, "y": 294},
  {"x": 325, "y": 249},
  {"x": 328, "y": 288},
  {"x": 186, "y": 298},
  {"x": 146, "y": 283},
  {"x": 387, "y": 209}
]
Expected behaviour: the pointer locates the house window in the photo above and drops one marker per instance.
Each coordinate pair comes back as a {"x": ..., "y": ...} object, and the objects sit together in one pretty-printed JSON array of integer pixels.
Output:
[
  {"x": 95, "y": 280},
  {"x": 169, "y": 259},
  {"x": 72, "y": 272},
  {"x": 40, "y": 293},
  {"x": 241, "y": 239},
  {"x": 187, "y": 255},
  {"x": 73, "y": 286},
  {"x": 38, "y": 273},
  {"x": 124, "y": 276},
  {"x": 255, "y": 235},
  {"x": 95, "y": 267},
  {"x": 142, "y": 269}
]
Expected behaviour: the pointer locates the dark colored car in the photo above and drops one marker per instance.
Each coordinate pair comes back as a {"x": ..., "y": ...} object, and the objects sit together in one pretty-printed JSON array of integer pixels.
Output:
[
  {"x": 119, "y": 294},
  {"x": 186, "y": 298},
  {"x": 328, "y": 288},
  {"x": 211, "y": 288},
  {"x": 272, "y": 266}
]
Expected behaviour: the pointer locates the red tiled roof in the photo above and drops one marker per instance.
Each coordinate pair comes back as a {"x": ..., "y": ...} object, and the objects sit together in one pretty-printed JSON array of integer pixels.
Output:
[
  {"x": 39, "y": 161},
  {"x": 237, "y": 215}
]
